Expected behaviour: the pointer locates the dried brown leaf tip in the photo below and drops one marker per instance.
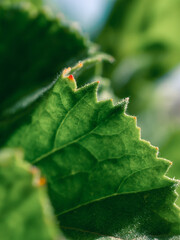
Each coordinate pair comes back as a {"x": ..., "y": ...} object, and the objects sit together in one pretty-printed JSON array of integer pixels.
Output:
[{"x": 66, "y": 71}]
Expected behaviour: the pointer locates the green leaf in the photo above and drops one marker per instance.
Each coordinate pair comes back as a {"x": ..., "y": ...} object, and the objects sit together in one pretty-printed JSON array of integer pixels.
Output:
[
  {"x": 34, "y": 46},
  {"x": 101, "y": 177},
  {"x": 19, "y": 112},
  {"x": 25, "y": 212}
]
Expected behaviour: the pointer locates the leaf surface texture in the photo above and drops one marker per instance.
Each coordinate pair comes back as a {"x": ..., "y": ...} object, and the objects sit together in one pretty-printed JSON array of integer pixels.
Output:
[{"x": 102, "y": 178}]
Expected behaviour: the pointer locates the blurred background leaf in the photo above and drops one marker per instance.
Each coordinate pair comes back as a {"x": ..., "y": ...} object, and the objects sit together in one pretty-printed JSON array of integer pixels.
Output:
[
  {"x": 143, "y": 37},
  {"x": 37, "y": 3},
  {"x": 34, "y": 47},
  {"x": 25, "y": 211}
]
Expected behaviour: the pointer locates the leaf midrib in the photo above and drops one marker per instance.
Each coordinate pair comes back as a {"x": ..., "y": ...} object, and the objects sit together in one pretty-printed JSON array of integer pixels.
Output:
[{"x": 67, "y": 114}]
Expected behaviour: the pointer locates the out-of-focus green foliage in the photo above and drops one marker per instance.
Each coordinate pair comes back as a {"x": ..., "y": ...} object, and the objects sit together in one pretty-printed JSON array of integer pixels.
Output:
[
  {"x": 37, "y": 3},
  {"x": 143, "y": 36},
  {"x": 25, "y": 212},
  {"x": 33, "y": 47}
]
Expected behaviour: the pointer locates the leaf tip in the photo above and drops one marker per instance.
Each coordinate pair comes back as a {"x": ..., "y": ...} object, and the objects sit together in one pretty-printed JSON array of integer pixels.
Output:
[
  {"x": 66, "y": 71},
  {"x": 126, "y": 99},
  {"x": 125, "y": 102}
]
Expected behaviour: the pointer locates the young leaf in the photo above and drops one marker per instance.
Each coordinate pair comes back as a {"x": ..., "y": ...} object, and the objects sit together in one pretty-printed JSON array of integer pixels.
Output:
[
  {"x": 24, "y": 210},
  {"x": 103, "y": 180}
]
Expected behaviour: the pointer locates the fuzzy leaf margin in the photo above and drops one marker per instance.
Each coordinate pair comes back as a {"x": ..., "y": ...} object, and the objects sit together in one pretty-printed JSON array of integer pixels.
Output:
[{"x": 103, "y": 180}]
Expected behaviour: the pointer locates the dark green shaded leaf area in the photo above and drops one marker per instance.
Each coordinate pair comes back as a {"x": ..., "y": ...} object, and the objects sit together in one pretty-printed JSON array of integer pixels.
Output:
[
  {"x": 24, "y": 210},
  {"x": 101, "y": 177},
  {"x": 34, "y": 46},
  {"x": 143, "y": 36},
  {"x": 131, "y": 216}
]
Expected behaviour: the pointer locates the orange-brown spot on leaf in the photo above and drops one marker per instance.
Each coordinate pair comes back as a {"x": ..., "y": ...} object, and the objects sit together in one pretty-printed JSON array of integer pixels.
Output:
[
  {"x": 157, "y": 148},
  {"x": 71, "y": 77},
  {"x": 135, "y": 118},
  {"x": 41, "y": 182},
  {"x": 80, "y": 64}
]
